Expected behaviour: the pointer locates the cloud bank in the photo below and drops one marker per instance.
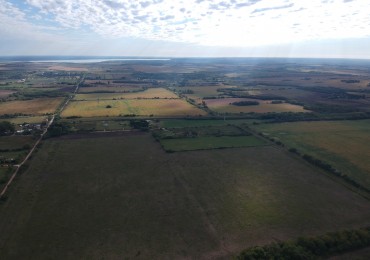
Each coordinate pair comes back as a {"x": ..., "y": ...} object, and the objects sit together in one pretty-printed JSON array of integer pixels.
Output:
[{"x": 220, "y": 23}]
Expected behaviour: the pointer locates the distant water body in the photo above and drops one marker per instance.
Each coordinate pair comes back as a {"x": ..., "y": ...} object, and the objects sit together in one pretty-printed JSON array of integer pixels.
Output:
[{"x": 67, "y": 59}]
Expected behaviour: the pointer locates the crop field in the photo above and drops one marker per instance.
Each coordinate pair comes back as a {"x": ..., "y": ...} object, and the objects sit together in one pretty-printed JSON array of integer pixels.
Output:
[
  {"x": 5, "y": 93},
  {"x": 178, "y": 123},
  {"x": 150, "y": 204},
  {"x": 27, "y": 119},
  {"x": 142, "y": 107},
  {"x": 210, "y": 142},
  {"x": 344, "y": 144},
  {"x": 146, "y": 94},
  {"x": 38, "y": 106},
  {"x": 108, "y": 89},
  {"x": 15, "y": 142},
  {"x": 223, "y": 105}
]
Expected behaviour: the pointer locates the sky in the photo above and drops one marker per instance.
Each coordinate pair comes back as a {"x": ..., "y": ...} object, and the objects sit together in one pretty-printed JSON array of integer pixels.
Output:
[{"x": 186, "y": 28}]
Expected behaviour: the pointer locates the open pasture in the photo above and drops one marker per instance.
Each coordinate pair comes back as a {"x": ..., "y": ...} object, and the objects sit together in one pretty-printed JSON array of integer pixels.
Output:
[
  {"x": 223, "y": 105},
  {"x": 27, "y": 119},
  {"x": 108, "y": 89},
  {"x": 343, "y": 144},
  {"x": 179, "y": 123},
  {"x": 15, "y": 142},
  {"x": 135, "y": 200},
  {"x": 140, "y": 107},
  {"x": 210, "y": 142},
  {"x": 5, "y": 93},
  {"x": 148, "y": 93},
  {"x": 37, "y": 106}
]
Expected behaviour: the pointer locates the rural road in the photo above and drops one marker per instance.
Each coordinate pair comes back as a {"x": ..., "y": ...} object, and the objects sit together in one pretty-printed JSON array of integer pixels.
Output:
[{"x": 18, "y": 166}]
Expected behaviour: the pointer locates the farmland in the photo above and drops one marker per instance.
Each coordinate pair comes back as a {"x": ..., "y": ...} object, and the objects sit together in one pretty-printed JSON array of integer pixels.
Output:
[
  {"x": 225, "y": 106},
  {"x": 180, "y": 158},
  {"x": 344, "y": 144},
  {"x": 157, "y": 107},
  {"x": 38, "y": 106},
  {"x": 123, "y": 204},
  {"x": 152, "y": 93}
]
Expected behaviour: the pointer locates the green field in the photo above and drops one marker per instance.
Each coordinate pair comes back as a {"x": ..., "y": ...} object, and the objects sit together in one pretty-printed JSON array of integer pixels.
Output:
[
  {"x": 343, "y": 144},
  {"x": 149, "y": 93},
  {"x": 113, "y": 197},
  {"x": 174, "y": 123},
  {"x": 15, "y": 142},
  {"x": 210, "y": 142}
]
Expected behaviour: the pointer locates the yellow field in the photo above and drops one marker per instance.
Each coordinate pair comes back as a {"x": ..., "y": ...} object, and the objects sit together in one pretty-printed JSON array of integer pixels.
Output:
[
  {"x": 142, "y": 107},
  {"x": 344, "y": 144},
  {"x": 38, "y": 106},
  {"x": 149, "y": 93},
  {"x": 265, "y": 106}
]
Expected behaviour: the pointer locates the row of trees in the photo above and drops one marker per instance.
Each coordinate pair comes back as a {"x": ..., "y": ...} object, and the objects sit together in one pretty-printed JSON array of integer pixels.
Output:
[{"x": 311, "y": 247}]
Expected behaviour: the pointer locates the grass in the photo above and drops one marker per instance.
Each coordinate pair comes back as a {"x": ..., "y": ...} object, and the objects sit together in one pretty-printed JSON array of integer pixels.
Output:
[
  {"x": 123, "y": 197},
  {"x": 178, "y": 123},
  {"x": 15, "y": 142},
  {"x": 149, "y": 93},
  {"x": 210, "y": 142},
  {"x": 223, "y": 106},
  {"x": 97, "y": 125},
  {"x": 38, "y": 106},
  {"x": 141, "y": 107},
  {"x": 27, "y": 119},
  {"x": 113, "y": 88},
  {"x": 343, "y": 144}
]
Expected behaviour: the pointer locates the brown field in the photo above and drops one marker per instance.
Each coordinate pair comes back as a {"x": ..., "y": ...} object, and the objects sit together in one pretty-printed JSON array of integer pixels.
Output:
[
  {"x": 4, "y": 93},
  {"x": 149, "y": 93},
  {"x": 142, "y": 107},
  {"x": 38, "y": 106},
  {"x": 265, "y": 106}
]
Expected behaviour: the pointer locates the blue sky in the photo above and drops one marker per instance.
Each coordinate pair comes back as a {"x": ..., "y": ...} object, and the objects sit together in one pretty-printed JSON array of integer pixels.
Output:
[{"x": 182, "y": 28}]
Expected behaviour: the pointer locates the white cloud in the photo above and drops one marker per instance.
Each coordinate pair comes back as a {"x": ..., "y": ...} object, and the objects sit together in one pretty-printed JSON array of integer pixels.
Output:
[{"x": 205, "y": 22}]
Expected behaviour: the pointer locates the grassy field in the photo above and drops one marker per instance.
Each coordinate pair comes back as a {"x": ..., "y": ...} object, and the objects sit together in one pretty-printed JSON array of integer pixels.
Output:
[
  {"x": 223, "y": 106},
  {"x": 102, "y": 88},
  {"x": 15, "y": 142},
  {"x": 175, "y": 123},
  {"x": 142, "y": 107},
  {"x": 117, "y": 197},
  {"x": 149, "y": 93},
  {"x": 38, "y": 106},
  {"x": 210, "y": 142},
  {"x": 344, "y": 144},
  {"x": 27, "y": 119}
]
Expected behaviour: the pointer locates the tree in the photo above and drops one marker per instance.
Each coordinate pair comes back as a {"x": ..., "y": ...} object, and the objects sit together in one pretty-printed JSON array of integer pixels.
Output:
[{"x": 6, "y": 128}]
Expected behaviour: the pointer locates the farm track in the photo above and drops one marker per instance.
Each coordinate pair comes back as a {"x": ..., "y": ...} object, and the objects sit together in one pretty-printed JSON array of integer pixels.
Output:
[{"x": 10, "y": 181}]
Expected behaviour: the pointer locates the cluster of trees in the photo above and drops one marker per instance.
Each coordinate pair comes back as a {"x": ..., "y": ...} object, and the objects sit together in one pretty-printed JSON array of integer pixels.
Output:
[
  {"x": 350, "y": 80},
  {"x": 6, "y": 128},
  {"x": 139, "y": 124},
  {"x": 58, "y": 129},
  {"x": 245, "y": 103},
  {"x": 311, "y": 247}
]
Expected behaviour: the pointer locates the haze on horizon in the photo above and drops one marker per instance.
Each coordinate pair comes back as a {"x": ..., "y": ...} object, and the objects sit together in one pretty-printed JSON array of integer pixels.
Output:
[{"x": 187, "y": 28}]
